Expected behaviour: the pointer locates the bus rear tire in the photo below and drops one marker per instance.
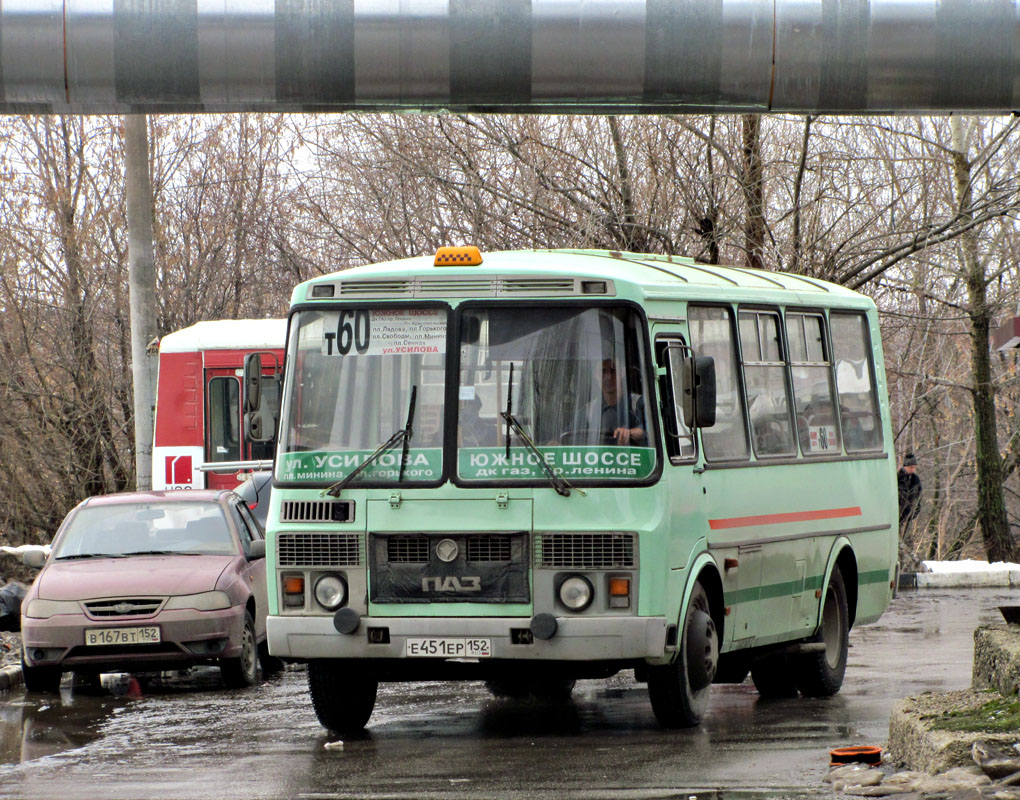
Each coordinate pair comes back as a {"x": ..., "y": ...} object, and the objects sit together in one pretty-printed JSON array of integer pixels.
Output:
[
  {"x": 343, "y": 695},
  {"x": 821, "y": 674},
  {"x": 679, "y": 692}
]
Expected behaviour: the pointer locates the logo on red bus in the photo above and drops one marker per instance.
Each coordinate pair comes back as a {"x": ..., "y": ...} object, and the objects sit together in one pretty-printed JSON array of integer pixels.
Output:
[{"x": 178, "y": 470}]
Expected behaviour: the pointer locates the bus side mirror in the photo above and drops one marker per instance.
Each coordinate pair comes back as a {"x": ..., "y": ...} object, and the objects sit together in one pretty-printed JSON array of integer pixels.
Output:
[
  {"x": 252, "y": 382},
  {"x": 704, "y": 389}
]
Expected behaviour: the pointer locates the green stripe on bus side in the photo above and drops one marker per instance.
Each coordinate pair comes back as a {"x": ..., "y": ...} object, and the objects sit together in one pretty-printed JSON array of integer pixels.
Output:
[{"x": 791, "y": 588}]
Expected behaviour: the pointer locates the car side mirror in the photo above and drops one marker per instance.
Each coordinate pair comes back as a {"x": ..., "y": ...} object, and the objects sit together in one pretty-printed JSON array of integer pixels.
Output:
[
  {"x": 704, "y": 389},
  {"x": 35, "y": 559},
  {"x": 256, "y": 549}
]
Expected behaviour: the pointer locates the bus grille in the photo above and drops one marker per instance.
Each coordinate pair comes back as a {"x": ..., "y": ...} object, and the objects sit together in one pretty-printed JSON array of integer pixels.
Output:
[
  {"x": 488, "y": 548},
  {"x": 585, "y": 550},
  {"x": 317, "y": 511},
  {"x": 412, "y": 549},
  {"x": 538, "y": 286},
  {"x": 319, "y": 549},
  {"x": 464, "y": 286},
  {"x": 123, "y": 606}
]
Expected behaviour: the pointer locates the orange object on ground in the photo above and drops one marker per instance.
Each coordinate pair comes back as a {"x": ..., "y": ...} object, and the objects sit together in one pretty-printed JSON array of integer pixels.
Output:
[{"x": 863, "y": 754}]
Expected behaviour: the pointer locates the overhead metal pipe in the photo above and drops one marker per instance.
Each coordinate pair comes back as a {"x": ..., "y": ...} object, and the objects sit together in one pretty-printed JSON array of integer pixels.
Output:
[{"x": 607, "y": 56}]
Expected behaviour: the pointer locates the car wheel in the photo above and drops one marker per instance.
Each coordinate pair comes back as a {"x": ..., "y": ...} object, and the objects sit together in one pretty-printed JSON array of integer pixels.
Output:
[
  {"x": 242, "y": 670},
  {"x": 821, "y": 674},
  {"x": 343, "y": 694},
  {"x": 679, "y": 692},
  {"x": 270, "y": 664},
  {"x": 40, "y": 679}
]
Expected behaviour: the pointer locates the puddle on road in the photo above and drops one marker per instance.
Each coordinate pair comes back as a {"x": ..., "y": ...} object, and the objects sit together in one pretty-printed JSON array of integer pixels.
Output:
[{"x": 34, "y": 726}]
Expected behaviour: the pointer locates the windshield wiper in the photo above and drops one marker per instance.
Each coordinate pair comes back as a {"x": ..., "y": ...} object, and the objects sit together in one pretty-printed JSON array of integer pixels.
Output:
[
  {"x": 559, "y": 483},
  {"x": 401, "y": 435},
  {"x": 162, "y": 553},
  {"x": 88, "y": 555}
]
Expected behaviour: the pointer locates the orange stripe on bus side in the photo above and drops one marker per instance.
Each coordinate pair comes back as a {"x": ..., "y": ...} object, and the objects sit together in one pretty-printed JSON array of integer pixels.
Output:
[{"x": 775, "y": 519}]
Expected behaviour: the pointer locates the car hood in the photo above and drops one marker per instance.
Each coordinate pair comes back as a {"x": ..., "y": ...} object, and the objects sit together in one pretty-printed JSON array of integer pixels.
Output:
[{"x": 143, "y": 576}]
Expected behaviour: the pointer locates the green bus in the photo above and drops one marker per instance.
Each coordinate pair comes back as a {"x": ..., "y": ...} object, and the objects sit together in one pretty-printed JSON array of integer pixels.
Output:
[{"x": 534, "y": 467}]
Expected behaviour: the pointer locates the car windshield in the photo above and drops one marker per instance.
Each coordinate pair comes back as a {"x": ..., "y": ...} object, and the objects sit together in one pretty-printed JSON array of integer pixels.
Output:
[
  {"x": 366, "y": 385},
  {"x": 138, "y": 528},
  {"x": 577, "y": 384}
]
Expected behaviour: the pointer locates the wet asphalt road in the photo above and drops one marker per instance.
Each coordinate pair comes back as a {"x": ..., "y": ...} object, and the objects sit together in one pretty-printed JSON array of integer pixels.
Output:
[{"x": 187, "y": 738}]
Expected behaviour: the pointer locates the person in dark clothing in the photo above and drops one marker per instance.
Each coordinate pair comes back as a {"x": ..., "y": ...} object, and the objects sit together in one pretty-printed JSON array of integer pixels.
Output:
[
  {"x": 621, "y": 414},
  {"x": 909, "y": 490}
]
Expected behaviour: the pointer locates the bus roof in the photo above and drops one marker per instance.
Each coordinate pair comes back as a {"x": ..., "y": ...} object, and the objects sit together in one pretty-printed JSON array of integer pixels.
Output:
[
  {"x": 227, "y": 334},
  {"x": 655, "y": 276}
]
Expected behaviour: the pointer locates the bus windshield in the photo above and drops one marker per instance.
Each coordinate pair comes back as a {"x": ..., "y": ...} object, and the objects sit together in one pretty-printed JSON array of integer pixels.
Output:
[
  {"x": 353, "y": 374},
  {"x": 573, "y": 379}
]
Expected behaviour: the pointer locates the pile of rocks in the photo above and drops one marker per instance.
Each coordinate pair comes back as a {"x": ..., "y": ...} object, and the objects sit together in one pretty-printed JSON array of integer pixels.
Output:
[
  {"x": 993, "y": 776},
  {"x": 10, "y": 649}
]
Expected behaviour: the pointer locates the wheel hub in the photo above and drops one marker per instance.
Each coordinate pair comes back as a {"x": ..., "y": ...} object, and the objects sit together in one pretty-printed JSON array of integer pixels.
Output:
[{"x": 702, "y": 650}]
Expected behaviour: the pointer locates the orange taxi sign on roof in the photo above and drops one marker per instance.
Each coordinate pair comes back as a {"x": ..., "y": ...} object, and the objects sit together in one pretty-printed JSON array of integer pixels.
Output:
[{"x": 468, "y": 256}]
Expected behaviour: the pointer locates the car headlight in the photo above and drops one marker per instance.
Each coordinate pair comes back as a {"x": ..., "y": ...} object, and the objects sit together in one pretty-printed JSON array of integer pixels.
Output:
[
  {"x": 44, "y": 609},
  {"x": 203, "y": 601},
  {"x": 576, "y": 593},
  {"x": 330, "y": 592}
]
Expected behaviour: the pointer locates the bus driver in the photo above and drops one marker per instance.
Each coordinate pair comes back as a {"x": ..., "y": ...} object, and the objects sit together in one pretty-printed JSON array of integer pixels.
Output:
[{"x": 622, "y": 419}]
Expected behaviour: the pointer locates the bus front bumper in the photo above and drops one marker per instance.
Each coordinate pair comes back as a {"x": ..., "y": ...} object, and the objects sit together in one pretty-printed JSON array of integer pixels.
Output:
[{"x": 576, "y": 638}]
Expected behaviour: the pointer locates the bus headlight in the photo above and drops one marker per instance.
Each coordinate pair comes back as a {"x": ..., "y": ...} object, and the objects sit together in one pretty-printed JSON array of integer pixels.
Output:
[
  {"x": 576, "y": 593},
  {"x": 330, "y": 592}
]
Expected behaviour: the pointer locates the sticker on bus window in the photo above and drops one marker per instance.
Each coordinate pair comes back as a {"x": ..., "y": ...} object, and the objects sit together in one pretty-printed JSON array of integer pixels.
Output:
[
  {"x": 384, "y": 332},
  {"x": 572, "y": 463},
  {"x": 423, "y": 464},
  {"x": 822, "y": 438}
]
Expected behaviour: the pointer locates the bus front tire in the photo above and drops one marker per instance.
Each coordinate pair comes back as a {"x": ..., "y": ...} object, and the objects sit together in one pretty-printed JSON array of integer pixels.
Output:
[
  {"x": 343, "y": 695},
  {"x": 821, "y": 674},
  {"x": 679, "y": 691}
]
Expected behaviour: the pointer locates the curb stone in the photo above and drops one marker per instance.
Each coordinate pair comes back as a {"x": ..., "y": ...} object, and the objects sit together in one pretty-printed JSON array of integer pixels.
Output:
[
  {"x": 959, "y": 580},
  {"x": 10, "y": 678}
]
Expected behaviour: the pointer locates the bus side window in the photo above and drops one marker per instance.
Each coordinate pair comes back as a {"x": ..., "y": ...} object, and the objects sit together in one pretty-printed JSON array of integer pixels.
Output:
[
  {"x": 768, "y": 403},
  {"x": 670, "y": 353},
  {"x": 712, "y": 335},
  {"x": 855, "y": 385},
  {"x": 812, "y": 385}
]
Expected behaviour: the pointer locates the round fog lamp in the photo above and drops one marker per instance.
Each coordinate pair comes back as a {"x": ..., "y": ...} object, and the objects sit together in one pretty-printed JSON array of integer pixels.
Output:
[
  {"x": 330, "y": 591},
  {"x": 576, "y": 593}
]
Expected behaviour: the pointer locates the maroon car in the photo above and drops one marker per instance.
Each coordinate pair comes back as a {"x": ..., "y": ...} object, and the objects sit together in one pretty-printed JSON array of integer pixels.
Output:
[{"x": 147, "y": 581}]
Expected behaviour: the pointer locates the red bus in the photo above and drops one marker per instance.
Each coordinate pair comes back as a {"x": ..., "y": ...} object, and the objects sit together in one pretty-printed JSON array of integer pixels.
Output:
[{"x": 198, "y": 401}]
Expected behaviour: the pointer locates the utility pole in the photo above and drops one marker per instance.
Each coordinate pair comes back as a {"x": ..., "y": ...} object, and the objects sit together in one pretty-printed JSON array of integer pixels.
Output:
[{"x": 142, "y": 286}]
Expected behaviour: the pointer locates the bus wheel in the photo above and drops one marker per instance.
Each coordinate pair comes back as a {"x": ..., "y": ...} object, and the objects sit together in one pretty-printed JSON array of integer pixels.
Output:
[
  {"x": 821, "y": 674},
  {"x": 679, "y": 691},
  {"x": 343, "y": 695},
  {"x": 773, "y": 677}
]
